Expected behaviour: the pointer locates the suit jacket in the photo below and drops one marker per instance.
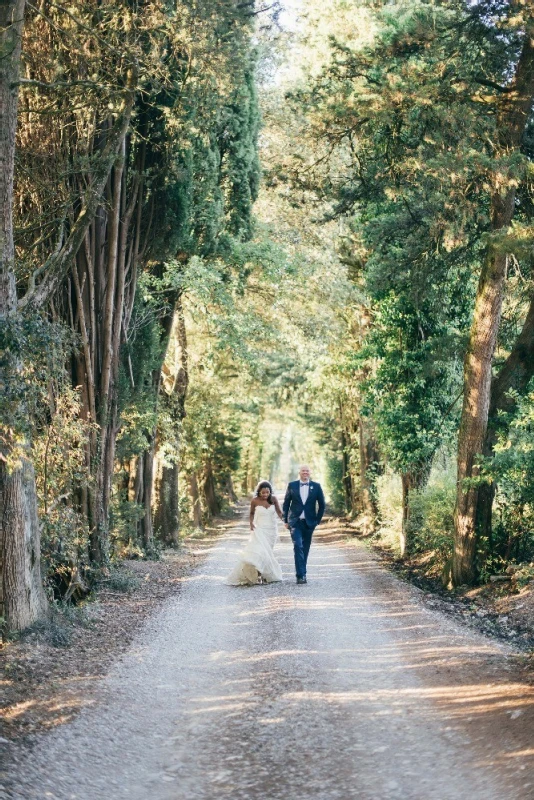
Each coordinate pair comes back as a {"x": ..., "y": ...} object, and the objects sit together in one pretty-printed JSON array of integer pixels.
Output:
[{"x": 313, "y": 508}]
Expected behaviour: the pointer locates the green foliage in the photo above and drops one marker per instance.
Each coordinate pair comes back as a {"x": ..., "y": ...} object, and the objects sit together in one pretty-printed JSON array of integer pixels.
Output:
[
  {"x": 238, "y": 361},
  {"x": 64, "y": 547},
  {"x": 512, "y": 470},
  {"x": 396, "y": 115},
  {"x": 431, "y": 523},
  {"x": 411, "y": 140},
  {"x": 334, "y": 482},
  {"x": 389, "y": 501},
  {"x": 40, "y": 414},
  {"x": 190, "y": 177},
  {"x": 120, "y": 579},
  {"x": 430, "y": 526},
  {"x": 347, "y": 302},
  {"x": 58, "y": 627},
  {"x": 124, "y": 516},
  {"x": 239, "y": 156},
  {"x": 524, "y": 575},
  {"x": 33, "y": 352},
  {"x": 416, "y": 375},
  {"x": 141, "y": 358}
]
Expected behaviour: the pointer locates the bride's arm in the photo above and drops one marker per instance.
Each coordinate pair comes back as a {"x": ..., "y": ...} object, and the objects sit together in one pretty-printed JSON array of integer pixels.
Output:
[
  {"x": 277, "y": 507},
  {"x": 251, "y": 516}
]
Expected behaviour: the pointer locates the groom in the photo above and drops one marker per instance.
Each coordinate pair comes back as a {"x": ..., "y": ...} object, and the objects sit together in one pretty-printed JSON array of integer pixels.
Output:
[{"x": 303, "y": 510}]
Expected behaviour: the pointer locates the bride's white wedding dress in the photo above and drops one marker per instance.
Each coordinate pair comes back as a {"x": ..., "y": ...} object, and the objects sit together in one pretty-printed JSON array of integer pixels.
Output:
[{"x": 258, "y": 554}]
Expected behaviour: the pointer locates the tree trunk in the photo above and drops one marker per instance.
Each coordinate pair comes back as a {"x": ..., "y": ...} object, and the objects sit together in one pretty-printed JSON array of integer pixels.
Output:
[
  {"x": 212, "y": 501},
  {"x": 24, "y": 599},
  {"x": 146, "y": 527},
  {"x": 11, "y": 25},
  {"x": 174, "y": 383},
  {"x": 477, "y": 382},
  {"x": 21, "y": 591},
  {"x": 167, "y": 514},
  {"x": 230, "y": 490},
  {"x": 57, "y": 266},
  {"x": 515, "y": 373},
  {"x": 195, "y": 500},
  {"x": 101, "y": 301},
  {"x": 369, "y": 463},
  {"x": 244, "y": 480},
  {"x": 512, "y": 117},
  {"x": 406, "y": 487},
  {"x": 107, "y": 385},
  {"x": 348, "y": 488}
]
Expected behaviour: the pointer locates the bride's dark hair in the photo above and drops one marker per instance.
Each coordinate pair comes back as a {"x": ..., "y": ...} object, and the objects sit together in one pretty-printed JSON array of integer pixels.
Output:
[{"x": 264, "y": 485}]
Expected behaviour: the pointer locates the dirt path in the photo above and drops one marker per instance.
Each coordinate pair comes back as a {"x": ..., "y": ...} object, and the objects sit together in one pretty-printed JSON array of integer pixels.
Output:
[{"x": 345, "y": 688}]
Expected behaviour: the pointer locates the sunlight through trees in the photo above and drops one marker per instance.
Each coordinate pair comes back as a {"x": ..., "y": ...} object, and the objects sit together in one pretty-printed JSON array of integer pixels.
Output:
[{"x": 236, "y": 237}]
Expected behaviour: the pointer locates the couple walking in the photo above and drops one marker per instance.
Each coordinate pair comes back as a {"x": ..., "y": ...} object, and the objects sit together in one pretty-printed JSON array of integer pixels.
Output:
[{"x": 302, "y": 510}]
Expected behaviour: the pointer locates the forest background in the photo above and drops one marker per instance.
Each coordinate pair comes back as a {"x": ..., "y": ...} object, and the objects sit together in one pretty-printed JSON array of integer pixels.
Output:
[{"x": 179, "y": 319}]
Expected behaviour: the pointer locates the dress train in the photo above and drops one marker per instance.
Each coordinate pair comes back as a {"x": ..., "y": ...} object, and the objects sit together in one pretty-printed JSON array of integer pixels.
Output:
[{"x": 258, "y": 555}]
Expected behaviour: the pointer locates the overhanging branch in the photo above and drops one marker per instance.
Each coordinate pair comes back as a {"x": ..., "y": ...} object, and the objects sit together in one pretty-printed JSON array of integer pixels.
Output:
[{"x": 57, "y": 265}]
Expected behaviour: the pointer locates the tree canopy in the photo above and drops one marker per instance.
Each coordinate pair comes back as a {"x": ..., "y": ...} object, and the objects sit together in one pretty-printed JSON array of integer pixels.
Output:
[{"x": 229, "y": 246}]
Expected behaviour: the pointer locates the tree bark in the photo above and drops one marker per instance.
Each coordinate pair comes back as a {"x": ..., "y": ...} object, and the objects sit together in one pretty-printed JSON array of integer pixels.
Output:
[
  {"x": 477, "y": 382},
  {"x": 167, "y": 514},
  {"x": 244, "y": 479},
  {"x": 167, "y": 510},
  {"x": 348, "y": 487},
  {"x": 11, "y": 26},
  {"x": 146, "y": 527},
  {"x": 512, "y": 117},
  {"x": 195, "y": 500},
  {"x": 212, "y": 501},
  {"x": 369, "y": 461},
  {"x": 101, "y": 303},
  {"x": 230, "y": 489},
  {"x": 55, "y": 269},
  {"x": 515, "y": 373},
  {"x": 21, "y": 592}
]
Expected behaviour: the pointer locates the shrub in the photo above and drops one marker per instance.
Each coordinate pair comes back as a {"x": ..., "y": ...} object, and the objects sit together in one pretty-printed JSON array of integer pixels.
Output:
[
  {"x": 431, "y": 523},
  {"x": 124, "y": 518},
  {"x": 512, "y": 470},
  {"x": 389, "y": 501},
  {"x": 120, "y": 579},
  {"x": 524, "y": 574},
  {"x": 334, "y": 483}
]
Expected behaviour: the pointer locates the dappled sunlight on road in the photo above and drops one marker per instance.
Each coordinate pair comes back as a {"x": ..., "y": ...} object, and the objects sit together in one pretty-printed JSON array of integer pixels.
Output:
[
  {"x": 54, "y": 712},
  {"x": 377, "y": 655},
  {"x": 236, "y": 685}
]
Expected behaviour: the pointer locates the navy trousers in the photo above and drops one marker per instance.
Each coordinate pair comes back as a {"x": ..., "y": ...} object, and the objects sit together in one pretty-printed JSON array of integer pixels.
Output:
[{"x": 301, "y": 535}]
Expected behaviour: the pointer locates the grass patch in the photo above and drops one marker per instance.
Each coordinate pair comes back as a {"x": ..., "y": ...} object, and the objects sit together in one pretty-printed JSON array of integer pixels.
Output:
[
  {"x": 57, "y": 628},
  {"x": 120, "y": 579}
]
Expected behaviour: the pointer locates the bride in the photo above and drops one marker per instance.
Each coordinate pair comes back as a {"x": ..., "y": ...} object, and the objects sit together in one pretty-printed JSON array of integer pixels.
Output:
[{"x": 257, "y": 563}]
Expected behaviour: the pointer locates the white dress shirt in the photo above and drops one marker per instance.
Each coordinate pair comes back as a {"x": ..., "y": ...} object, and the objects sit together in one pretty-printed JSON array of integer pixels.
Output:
[{"x": 304, "y": 492}]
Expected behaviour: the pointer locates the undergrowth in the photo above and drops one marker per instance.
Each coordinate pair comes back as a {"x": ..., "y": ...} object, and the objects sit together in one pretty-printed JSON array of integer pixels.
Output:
[{"x": 119, "y": 579}]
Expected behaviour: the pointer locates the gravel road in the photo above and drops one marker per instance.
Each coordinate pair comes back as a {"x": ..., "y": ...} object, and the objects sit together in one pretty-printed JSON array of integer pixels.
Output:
[{"x": 346, "y": 688}]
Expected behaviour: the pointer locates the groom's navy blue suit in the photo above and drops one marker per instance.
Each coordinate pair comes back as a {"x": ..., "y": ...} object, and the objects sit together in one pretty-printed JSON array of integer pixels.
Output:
[{"x": 302, "y": 529}]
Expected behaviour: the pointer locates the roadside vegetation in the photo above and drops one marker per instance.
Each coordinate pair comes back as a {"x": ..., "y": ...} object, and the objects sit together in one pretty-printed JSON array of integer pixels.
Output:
[{"x": 229, "y": 247}]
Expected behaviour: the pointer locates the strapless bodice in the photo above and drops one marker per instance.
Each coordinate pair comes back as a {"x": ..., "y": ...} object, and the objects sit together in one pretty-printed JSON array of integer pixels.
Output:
[{"x": 265, "y": 517}]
